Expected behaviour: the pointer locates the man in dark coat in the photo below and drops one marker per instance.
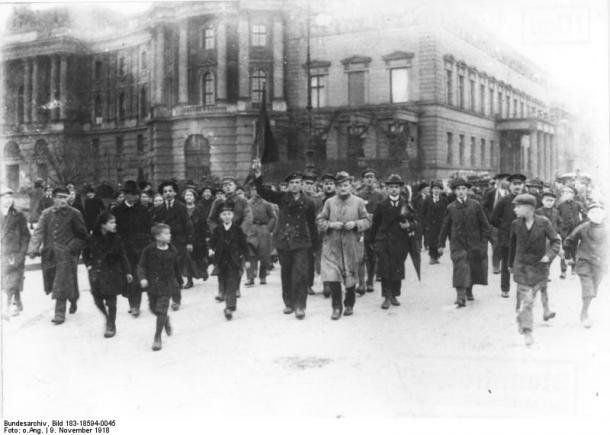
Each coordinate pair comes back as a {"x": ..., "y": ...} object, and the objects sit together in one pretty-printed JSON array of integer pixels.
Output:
[
  {"x": 502, "y": 218},
  {"x": 92, "y": 208},
  {"x": 490, "y": 199},
  {"x": 372, "y": 199},
  {"x": 533, "y": 244},
  {"x": 46, "y": 201},
  {"x": 62, "y": 234},
  {"x": 294, "y": 239},
  {"x": 14, "y": 245},
  {"x": 431, "y": 215},
  {"x": 571, "y": 213},
  {"x": 468, "y": 230},
  {"x": 133, "y": 226},
  {"x": 36, "y": 194},
  {"x": 390, "y": 237},
  {"x": 173, "y": 213}
]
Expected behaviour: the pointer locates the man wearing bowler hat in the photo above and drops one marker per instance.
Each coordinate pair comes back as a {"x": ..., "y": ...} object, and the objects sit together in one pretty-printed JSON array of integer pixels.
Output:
[
  {"x": 173, "y": 213},
  {"x": 432, "y": 213},
  {"x": 62, "y": 234},
  {"x": 133, "y": 224},
  {"x": 502, "y": 217},
  {"x": 295, "y": 237},
  {"x": 468, "y": 230}
]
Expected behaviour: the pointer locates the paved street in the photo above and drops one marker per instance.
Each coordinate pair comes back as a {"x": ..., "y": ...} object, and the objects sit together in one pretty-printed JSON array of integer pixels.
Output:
[{"x": 423, "y": 359}]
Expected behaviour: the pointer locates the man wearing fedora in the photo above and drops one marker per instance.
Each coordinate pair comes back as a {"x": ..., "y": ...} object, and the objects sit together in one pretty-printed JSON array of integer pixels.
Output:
[
  {"x": 432, "y": 213},
  {"x": 295, "y": 237},
  {"x": 343, "y": 221},
  {"x": 372, "y": 198},
  {"x": 62, "y": 234},
  {"x": 173, "y": 213},
  {"x": 133, "y": 223},
  {"x": 502, "y": 217},
  {"x": 468, "y": 230},
  {"x": 390, "y": 237}
]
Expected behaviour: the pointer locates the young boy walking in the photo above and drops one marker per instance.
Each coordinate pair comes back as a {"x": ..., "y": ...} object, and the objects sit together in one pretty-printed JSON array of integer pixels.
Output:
[
  {"x": 161, "y": 275},
  {"x": 229, "y": 247},
  {"x": 529, "y": 258},
  {"x": 590, "y": 242}
]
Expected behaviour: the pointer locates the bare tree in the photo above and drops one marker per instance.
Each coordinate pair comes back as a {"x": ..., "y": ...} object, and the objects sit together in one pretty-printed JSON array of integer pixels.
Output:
[{"x": 67, "y": 162}]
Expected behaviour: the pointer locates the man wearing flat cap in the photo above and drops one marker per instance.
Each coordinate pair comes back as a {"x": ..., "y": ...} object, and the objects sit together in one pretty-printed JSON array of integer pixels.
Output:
[
  {"x": 14, "y": 245},
  {"x": 502, "y": 218},
  {"x": 133, "y": 224},
  {"x": 59, "y": 238},
  {"x": 342, "y": 221},
  {"x": 491, "y": 197},
  {"x": 533, "y": 243},
  {"x": 295, "y": 237},
  {"x": 173, "y": 213},
  {"x": 468, "y": 230},
  {"x": 372, "y": 198}
]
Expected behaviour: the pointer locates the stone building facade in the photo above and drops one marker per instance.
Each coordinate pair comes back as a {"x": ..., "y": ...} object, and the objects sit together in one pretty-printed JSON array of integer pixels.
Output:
[{"x": 176, "y": 93}]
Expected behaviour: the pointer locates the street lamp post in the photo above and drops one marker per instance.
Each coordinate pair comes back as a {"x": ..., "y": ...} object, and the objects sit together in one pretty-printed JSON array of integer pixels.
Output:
[{"x": 310, "y": 152}]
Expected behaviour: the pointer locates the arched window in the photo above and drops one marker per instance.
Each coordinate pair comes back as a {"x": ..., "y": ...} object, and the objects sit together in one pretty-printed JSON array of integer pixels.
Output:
[
  {"x": 197, "y": 157},
  {"x": 208, "y": 95},
  {"x": 11, "y": 151},
  {"x": 259, "y": 79},
  {"x": 20, "y": 105}
]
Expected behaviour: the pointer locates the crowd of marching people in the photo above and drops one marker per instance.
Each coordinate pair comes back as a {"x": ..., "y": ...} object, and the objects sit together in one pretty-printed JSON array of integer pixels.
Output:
[{"x": 352, "y": 232}]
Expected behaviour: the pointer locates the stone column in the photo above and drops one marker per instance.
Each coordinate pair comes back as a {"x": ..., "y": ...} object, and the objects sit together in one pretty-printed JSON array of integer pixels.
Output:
[
  {"x": 160, "y": 65},
  {"x": 554, "y": 154},
  {"x": 183, "y": 64},
  {"x": 35, "y": 90},
  {"x": 278, "y": 59},
  {"x": 244, "y": 57},
  {"x": 63, "y": 86},
  {"x": 53, "y": 83},
  {"x": 221, "y": 65},
  {"x": 27, "y": 90}
]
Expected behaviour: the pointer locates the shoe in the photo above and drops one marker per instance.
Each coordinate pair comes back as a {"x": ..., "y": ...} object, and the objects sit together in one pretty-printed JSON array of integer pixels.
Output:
[
  {"x": 300, "y": 313},
  {"x": 348, "y": 311},
  {"x": 220, "y": 297},
  {"x": 394, "y": 301},
  {"x": 228, "y": 314},
  {"x": 460, "y": 303},
  {"x": 563, "y": 275},
  {"x": 189, "y": 284},
  {"x": 548, "y": 316},
  {"x": 386, "y": 304},
  {"x": 73, "y": 307},
  {"x": 14, "y": 310},
  {"x": 370, "y": 288},
  {"x": 157, "y": 343},
  {"x": 336, "y": 314},
  {"x": 175, "y": 306},
  {"x": 586, "y": 322},
  {"x": 378, "y": 279},
  {"x": 110, "y": 331},
  {"x": 288, "y": 310},
  {"x": 135, "y": 312},
  {"x": 310, "y": 292},
  {"x": 528, "y": 338},
  {"x": 238, "y": 294},
  {"x": 361, "y": 291},
  {"x": 57, "y": 321},
  {"x": 19, "y": 305},
  {"x": 168, "y": 327},
  {"x": 130, "y": 310},
  {"x": 470, "y": 298},
  {"x": 263, "y": 281},
  {"x": 497, "y": 271},
  {"x": 233, "y": 309},
  {"x": 249, "y": 283},
  {"x": 504, "y": 294},
  {"x": 326, "y": 291}
]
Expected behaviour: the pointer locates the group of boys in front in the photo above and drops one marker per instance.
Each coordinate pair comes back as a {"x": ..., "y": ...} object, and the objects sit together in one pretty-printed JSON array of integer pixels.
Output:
[{"x": 353, "y": 238}]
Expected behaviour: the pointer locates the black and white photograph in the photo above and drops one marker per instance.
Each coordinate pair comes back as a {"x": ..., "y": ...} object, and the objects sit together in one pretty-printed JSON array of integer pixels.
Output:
[{"x": 305, "y": 216}]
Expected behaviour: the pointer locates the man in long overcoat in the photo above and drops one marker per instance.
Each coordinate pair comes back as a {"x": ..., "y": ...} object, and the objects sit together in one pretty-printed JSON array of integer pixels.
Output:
[
  {"x": 133, "y": 225},
  {"x": 295, "y": 237},
  {"x": 468, "y": 230},
  {"x": 259, "y": 239},
  {"x": 14, "y": 245},
  {"x": 173, "y": 213},
  {"x": 390, "y": 237},
  {"x": 432, "y": 213},
  {"x": 62, "y": 234},
  {"x": 343, "y": 220},
  {"x": 490, "y": 199}
]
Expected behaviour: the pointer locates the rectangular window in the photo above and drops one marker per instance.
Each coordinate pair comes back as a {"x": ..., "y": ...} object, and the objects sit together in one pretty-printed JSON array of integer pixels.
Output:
[
  {"x": 515, "y": 107},
  {"x": 522, "y": 109},
  {"x": 449, "y": 148},
  {"x": 119, "y": 148},
  {"x": 483, "y": 153},
  {"x": 482, "y": 98},
  {"x": 399, "y": 84},
  {"x": 473, "y": 152},
  {"x": 121, "y": 67},
  {"x": 500, "y": 104},
  {"x": 259, "y": 35},
  {"x": 143, "y": 103},
  {"x": 461, "y": 92},
  {"x": 140, "y": 143},
  {"x": 355, "y": 88},
  {"x": 97, "y": 72},
  {"x": 318, "y": 91},
  {"x": 508, "y": 114},
  {"x": 472, "y": 96},
  {"x": 462, "y": 150},
  {"x": 492, "y": 153},
  {"x": 491, "y": 102},
  {"x": 208, "y": 38},
  {"x": 12, "y": 176},
  {"x": 449, "y": 87}
]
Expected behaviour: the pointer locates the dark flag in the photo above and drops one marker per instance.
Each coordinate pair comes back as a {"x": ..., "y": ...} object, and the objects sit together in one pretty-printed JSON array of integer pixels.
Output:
[{"x": 265, "y": 147}]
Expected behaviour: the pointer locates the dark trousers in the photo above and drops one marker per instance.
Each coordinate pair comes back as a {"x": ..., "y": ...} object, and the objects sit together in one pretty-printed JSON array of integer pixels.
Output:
[
  {"x": 463, "y": 292},
  {"x": 262, "y": 266},
  {"x": 390, "y": 288},
  {"x": 335, "y": 292},
  {"x": 107, "y": 305},
  {"x": 505, "y": 274},
  {"x": 496, "y": 251},
  {"x": 295, "y": 267},
  {"x": 177, "y": 297},
  {"x": 311, "y": 270},
  {"x": 568, "y": 252},
  {"x": 60, "y": 309},
  {"x": 433, "y": 252},
  {"x": 371, "y": 262},
  {"x": 229, "y": 280}
]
